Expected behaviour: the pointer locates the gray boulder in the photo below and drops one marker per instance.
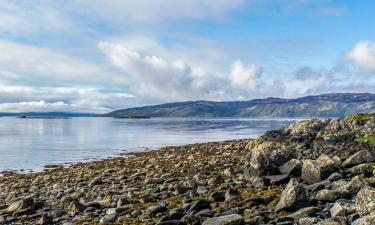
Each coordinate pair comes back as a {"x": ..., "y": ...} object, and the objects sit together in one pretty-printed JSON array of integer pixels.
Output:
[
  {"x": 233, "y": 219},
  {"x": 365, "y": 201},
  {"x": 293, "y": 197},
  {"x": 314, "y": 171}
]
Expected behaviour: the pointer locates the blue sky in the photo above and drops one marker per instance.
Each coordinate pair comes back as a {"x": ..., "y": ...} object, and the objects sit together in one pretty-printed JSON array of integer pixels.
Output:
[{"x": 96, "y": 56}]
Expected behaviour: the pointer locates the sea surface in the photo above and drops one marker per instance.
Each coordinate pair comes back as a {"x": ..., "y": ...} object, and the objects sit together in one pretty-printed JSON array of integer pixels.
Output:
[{"x": 29, "y": 144}]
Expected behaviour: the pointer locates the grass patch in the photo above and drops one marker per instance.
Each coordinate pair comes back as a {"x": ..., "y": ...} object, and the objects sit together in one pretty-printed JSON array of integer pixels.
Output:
[{"x": 369, "y": 139}]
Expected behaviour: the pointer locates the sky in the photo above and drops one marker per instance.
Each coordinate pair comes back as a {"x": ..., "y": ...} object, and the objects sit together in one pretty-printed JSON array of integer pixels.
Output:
[{"x": 98, "y": 55}]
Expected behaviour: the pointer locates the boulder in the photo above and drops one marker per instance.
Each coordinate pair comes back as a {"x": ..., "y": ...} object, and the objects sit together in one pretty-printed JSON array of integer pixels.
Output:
[
  {"x": 366, "y": 220},
  {"x": 25, "y": 203},
  {"x": 360, "y": 157},
  {"x": 328, "y": 195},
  {"x": 233, "y": 219},
  {"x": 365, "y": 201},
  {"x": 293, "y": 197},
  {"x": 314, "y": 171},
  {"x": 293, "y": 167}
]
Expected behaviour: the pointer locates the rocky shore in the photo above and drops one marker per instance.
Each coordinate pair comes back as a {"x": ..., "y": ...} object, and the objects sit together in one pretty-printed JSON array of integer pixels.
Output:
[{"x": 311, "y": 172}]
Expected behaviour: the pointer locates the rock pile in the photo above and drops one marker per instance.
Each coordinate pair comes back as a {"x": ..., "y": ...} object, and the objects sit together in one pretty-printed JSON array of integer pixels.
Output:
[{"x": 311, "y": 172}]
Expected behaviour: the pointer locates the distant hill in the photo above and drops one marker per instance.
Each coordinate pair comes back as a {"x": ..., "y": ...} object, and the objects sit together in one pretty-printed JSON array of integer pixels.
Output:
[{"x": 326, "y": 105}]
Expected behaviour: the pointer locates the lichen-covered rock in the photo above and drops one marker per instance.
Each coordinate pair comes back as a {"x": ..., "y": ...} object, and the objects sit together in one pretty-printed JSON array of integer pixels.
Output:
[
  {"x": 365, "y": 201},
  {"x": 293, "y": 197},
  {"x": 360, "y": 157},
  {"x": 314, "y": 171}
]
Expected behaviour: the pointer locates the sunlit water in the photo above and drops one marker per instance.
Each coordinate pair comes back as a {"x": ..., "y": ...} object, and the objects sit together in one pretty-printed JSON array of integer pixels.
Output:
[{"x": 32, "y": 143}]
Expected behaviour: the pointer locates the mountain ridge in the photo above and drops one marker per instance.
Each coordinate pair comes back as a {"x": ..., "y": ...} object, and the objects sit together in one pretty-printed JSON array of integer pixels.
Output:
[{"x": 324, "y": 105}]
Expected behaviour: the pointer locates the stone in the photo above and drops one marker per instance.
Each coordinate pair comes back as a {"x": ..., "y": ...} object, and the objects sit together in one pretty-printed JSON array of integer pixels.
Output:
[
  {"x": 199, "y": 205},
  {"x": 314, "y": 171},
  {"x": 171, "y": 222},
  {"x": 293, "y": 167},
  {"x": 293, "y": 197},
  {"x": 360, "y": 157},
  {"x": 152, "y": 211},
  {"x": 277, "y": 179},
  {"x": 217, "y": 196},
  {"x": 365, "y": 201},
  {"x": 308, "y": 221},
  {"x": 44, "y": 220},
  {"x": 328, "y": 195},
  {"x": 216, "y": 180},
  {"x": 154, "y": 181},
  {"x": 366, "y": 220},
  {"x": 25, "y": 203},
  {"x": 303, "y": 213},
  {"x": 233, "y": 219},
  {"x": 108, "y": 218},
  {"x": 338, "y": 210},
  {"x": 75, "y": 208},
  {"x": 231, "y": 194},
  {"x": 364, "y": 168}
]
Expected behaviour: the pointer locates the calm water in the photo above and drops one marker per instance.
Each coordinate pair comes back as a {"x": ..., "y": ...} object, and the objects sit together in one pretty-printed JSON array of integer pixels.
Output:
[{"x": 32, "y": 143}]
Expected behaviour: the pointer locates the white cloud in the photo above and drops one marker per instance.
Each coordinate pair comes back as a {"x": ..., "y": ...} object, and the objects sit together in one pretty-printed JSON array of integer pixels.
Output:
[
  {"x": 34, "y": 62},
  {"x": 84, "y": 99},
  {"x": 245, "y": 77},
  {"x": 363, "y": 55}
]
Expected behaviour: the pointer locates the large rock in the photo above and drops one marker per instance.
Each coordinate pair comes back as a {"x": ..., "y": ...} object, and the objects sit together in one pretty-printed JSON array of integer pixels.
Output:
[
  {"x": 233, "y": 219},
  {"x": 366, "y": 220},
  {"x": 20, "y": 205},
  {"x": 293, "y": 197},
  {"x": 360, "y": 157},
  {"x": 365, "y": 201},
  {"x": 293, "y": 167},
  {"x": 314, "y": 171}
]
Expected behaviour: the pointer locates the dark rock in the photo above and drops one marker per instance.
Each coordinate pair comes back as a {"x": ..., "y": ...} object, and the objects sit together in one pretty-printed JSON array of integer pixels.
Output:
[
  {"x": 199, "y": 205},
  {"x": 231, "y": 194},
  {"x": 217, "y": 197},
  {"x": 171, "y": 222},
  {"x": 44, "y": 220},
  {"x": 293, "y": 197}
]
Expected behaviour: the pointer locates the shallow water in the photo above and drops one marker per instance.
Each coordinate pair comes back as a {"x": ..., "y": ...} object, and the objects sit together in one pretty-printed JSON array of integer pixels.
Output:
[{"x": 30, "y": 144}]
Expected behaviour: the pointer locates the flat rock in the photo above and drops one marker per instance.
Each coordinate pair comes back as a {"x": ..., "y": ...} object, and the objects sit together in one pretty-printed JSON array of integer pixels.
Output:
[{"x": 233, "y": 219}]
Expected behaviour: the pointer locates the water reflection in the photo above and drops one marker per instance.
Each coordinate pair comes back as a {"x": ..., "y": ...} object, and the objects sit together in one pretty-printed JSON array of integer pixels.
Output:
[{"x": 32, "y": 143}]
